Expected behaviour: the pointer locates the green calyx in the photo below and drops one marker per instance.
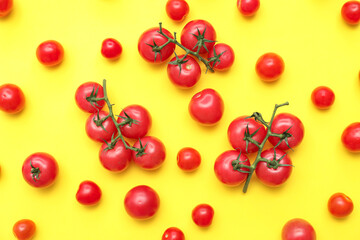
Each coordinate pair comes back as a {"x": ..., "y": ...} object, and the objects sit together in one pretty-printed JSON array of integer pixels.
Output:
[{"x": 35, "y": 172}]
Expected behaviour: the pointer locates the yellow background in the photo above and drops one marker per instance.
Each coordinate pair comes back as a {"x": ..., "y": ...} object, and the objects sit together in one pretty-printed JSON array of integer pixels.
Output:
[{"x": 318, "y": 49}]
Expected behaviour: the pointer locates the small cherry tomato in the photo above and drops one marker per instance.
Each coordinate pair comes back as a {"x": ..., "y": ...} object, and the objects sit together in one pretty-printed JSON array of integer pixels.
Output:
[
  {"x": 188, "y": 75},
  {"x": 142, "y": 202},
  {"x": 154, "y": 154},
  {"x": 88, "y": 193},
  {"x": 225, "y": 54},
  {"x": 298, "y": 229},
  {"x": 50, "y": 53},
  {"x": 40, "y": 170},
  {"x": 203, "y": 215},
  {"x": 248, "y": 7},
  {"x": 173, "y": 233},
  {"x": 84, "y": 91},
  {"x": 177, "y": 10},
  {"x": 97, "y": 133},
  {"x": 269, "y": 67},
  {"x": 188, "y": 159},
  {"x": 12, "y": 99},
  {"x": 206, "y": 107},
  {"x": 5, "y": 7},
  {"x": 198, "y": 30},
  {"x": 24, "y": 229},
  {"x": 351, "y": 137},
  {"x": 340, "y": 205},
  {"x": 350, "y": 12},
  {"x": 111, "y": 48},
  {"x": 322, "y": 97},
  {"x": 116, "y": 159}
]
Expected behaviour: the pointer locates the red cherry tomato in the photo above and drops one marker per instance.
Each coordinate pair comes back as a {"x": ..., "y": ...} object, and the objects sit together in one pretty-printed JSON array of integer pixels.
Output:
[
  {"x": 187, "y": 76},
  {"x": 142, "y": 202},
  {"x": 50, "y": 53},
  {"x": 12, "y": 99},
  {"x": 143, "y": 121},
  {"x": 283, "y": 122},
  {"x": 350, "y": 12},
  {"x": 154, "y": 156},
  {"x": 177, "y": 10},
  {"x": 248, "y": 7},
  {"x": 88, "y": 193},
  {"x": 269, "y": 67},
  {"x": 148, "y": 38},
  {"x": 116, "y": 159},
  {"x": 24, "y": 229},
  {"x": 5, "y": 7},
  {"x": 97, "y": 133},
  {"x": 298, "y": 229},
  {"x": 188, "y": 159},
  {"x": 40, "y": 170},
  {"x": 351, "y": 137},
  {"x": 206, "y": 107},
  {"x": 226, "y": 58},
  {"x": 224, "y": 169},
  {"x": 84, "y": 91},
  {"x": 203, "y": 215},
  {"x": 111, "y": 48},
  {"x": 322, "y": 97},
  {"x": 173, "y": 233},
  {"x": 195, "y": 27},
  {"x": 340, "y": 205}
]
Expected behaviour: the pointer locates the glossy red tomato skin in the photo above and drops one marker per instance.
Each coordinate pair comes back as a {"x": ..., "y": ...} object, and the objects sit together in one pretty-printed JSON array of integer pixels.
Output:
[
  {"x": 206, "y": 107},
  {"x": 50, "y": 53},
  {"x": 203, "y": 215},
  {"x": 97, "y": 133},
  {"x": 270, "y": 67},
  {"x": 298, "y": 229},
  {"x": 188, "y": 76},
  {"x": 350, "y": 12},
  {"x": 177, "y": 10},
  {"x": 139, "y": 113},
  {"x": 5, "y": 7},
  {"x": 155, "y": 153},
  {"x": 281, "y": 123},
  {"x": 226, "y": 59},
  {"x": 173, "y": 233},
  {"x": 323, "y": 97},
  {"x": 111, "y": 48},
  {"x": 83, "y": 91},
  {"x": 188, "y": 159},
  {"x": 12, "y": 99},
  {"x": 224, "y": 170},
  {"x": 116, "y": 159},
  {"x": 148, "y": 37},
  {"x": 24, "y": 229},
  {"x": 142, "y": 202},
  {"x": 340, "y": 205},
  {"x": 192, "y": 27},
  {"x": 248, "y": 8},
  {"x": 89, "y": 193},
  {"x": 47, "y": 166},
  {"x": 351, "y": 137}
]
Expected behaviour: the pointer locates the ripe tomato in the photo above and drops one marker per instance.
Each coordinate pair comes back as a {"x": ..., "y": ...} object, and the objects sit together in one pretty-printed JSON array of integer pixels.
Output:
[
  {"x": 143, "y": 121},
  {"x": 84, "y": 91},
  {"x": 96, "y": 133},
  {"x": 111, "y": 48},
  {"x": 177, "y": 10},
  {"x": 116, "y": 159},
  {"x": 248, "y": 7},
  {"x": 152, "y": 38},
  {"x": 187, "y": 76},
  {"x": 24, "y": 229},
  {"x": 350, "y": 12},
  {"x": 154, "y": 156},
  {"x": 173, "y": 233},
  {"x": 198, "y": 30},
  {"x": 322, "y": 97},
  {"x": 226, "y": 59},
  {"x": 206, "y": 107},
  {"x": 142, "y": 202},
  {"x": 269, "y": 67},
  {"x": 88, "y": 193},
  {"x": 203, "y": 215},
  {"x": 12, "y": 99},
  {"x": 188, "y": 159},
  {"x": 351, "y": 137},
  {"x": 40, "y": 170},
  {"x": 5, "y": 7},
  {"x": 298, "y": 229},
  {"x": 283, "y": 122},
  {"x": 340, "y": 205},
  {"x": 50, "y": 53},
  {"x": 224, "y": 170}
]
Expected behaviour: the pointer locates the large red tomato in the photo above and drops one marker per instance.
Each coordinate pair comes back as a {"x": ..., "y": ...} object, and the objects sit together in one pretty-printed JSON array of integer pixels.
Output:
[
  {"x": 24, "y": 229},
  {"x": 186, "y": 76},
  {"x": 50, "y": 53},
  {"x": 116, "y": 159},
  {"x": 12, "y": 99},
  {"x": 270, "y": 67},
  {"x": 84, "y": 91},
  {"x": 351, "y": 137},
  {"x": 226, "y": 57},
  {"x": 89, "y": 193},
  {"x": 197, "y": 31},
  {"x": 5, "y": 7},
  {"x": 340, "y": 205},
  {"x": 203, "y": 215},
  {"x": 97, "y": 133},
  {"x": 298, "y": 229},
  {"x": 154, "y": 154}
]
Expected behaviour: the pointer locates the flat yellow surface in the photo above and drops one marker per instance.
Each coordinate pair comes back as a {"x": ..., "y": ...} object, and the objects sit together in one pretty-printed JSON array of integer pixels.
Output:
[{"x": 318, "y": 49}]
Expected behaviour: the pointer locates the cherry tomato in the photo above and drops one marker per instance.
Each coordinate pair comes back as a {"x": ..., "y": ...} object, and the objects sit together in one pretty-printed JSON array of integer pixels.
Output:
[
  {"x": 248, "y": 7},
  {"x": 269, "y": 67},
  {"x": 224, "y": 169},
  {"x": 350, "y": 12},
  {"x": 351, "y": 137},
  {"x": 202, "y": 30},
  {"x": 151, "y": 37},
  {"x": 173, "y": 233},
  {"x": 5, "y": 7},
  {"x": 298, "y": 229},
  {"x": 206, "y": 107},
  {"x": 143, "y": 121},
  {"x": 322, "y": 97},
  {"x": 142, "y": 202},
  {"x": 116, "y": 159},
  {"x": 154, "y": 156},
  {"x": 203, "y": 215},
  {"x": 111, "y": 48},
  {"x": 188, "y": 159},
  {"x": 283, "y": 122},
  {"x": 24, "y": 229},
  {"x": 50, "y": 53},
  {"x": 12, "y": 99},
  {"x": 177, "y": 10},
  {"x": 340, "y": 205},
  {"x": 88, "y": 193},
  {"x": 226, "y": 58},
  {"x": 84, "y": 91},
  {"x": 40, "y": 170},
  {"x": 96, "y": 133},
  {"x": 187, "y": 76}
]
